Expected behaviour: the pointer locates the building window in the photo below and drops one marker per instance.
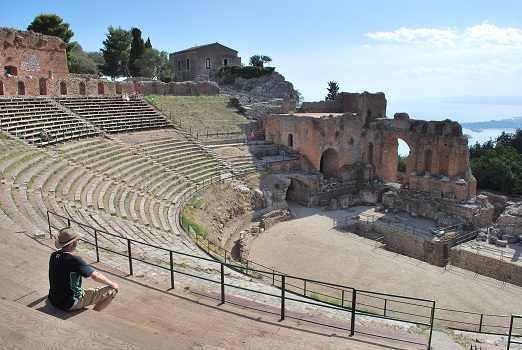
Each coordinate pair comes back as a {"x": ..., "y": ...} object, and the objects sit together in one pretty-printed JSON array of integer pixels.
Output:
[
  {"x": 207, "y": 63},
  {"x": 290, "y": 140},
  {"x": 179, "y": 65},
  {"x": 225, "y": 61},
  {"x": 188, "y": 63}
]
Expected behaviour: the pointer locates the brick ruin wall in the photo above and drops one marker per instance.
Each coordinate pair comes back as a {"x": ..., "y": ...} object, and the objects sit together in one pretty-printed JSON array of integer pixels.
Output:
[
  {"x": 37, "y": 66},
  {"x": 349, "y": 149},
  {"x": 33, "y": 54},
  {"x": 487, "y": 266},
  {"x": 32, "y": 86}
]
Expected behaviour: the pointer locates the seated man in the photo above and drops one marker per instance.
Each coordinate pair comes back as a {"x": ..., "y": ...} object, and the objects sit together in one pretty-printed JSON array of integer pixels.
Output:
[
  {"x": 44, "y": 135},
  {"x": 65, "y": 277}
]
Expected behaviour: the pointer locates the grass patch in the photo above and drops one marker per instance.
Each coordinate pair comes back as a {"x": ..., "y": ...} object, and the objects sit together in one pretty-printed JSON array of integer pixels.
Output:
[{"x": 202, "y": 114}]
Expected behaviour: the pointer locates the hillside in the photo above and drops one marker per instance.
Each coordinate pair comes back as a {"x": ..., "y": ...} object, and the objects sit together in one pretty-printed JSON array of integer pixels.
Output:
[
  {"x": 201, "y": 114},
  {"x": 511, "y": 123}
]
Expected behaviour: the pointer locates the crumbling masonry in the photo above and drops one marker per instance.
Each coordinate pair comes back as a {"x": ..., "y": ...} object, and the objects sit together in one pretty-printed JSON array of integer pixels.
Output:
[{"x": 352, "y": 147}]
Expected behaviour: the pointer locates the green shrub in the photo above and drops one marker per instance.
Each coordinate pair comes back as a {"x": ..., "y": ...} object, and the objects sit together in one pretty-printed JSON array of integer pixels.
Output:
[{"x": 229, "y": 73}]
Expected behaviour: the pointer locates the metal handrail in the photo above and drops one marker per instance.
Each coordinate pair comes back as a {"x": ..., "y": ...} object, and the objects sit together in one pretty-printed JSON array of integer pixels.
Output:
[{"x": 354, "y": 310}]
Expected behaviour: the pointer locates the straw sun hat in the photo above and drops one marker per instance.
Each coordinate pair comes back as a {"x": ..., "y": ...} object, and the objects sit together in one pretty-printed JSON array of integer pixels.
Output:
[{"x": 66, "y": 236}]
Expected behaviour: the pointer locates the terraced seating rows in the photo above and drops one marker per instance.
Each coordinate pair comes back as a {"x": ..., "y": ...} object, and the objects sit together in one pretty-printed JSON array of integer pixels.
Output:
[
  {"x": 186, "y": 157},
  {"x": 26, "y": 117},
  {"x": 113, "y": 115},
  {"x": 118, "y": 186}
]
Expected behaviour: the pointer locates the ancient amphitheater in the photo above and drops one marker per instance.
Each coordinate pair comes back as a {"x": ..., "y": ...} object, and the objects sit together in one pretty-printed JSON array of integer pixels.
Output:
[
  {"x": 124, "y": 168},
  {"x": 76, "y": 151}
]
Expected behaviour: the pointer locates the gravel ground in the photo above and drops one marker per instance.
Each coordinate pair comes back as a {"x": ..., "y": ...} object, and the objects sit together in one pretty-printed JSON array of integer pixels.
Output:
[{"x": 308, "y": 246}]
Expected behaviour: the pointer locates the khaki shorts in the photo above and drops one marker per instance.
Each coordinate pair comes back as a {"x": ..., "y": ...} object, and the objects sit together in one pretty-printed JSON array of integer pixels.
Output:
[{"x": 92, "y": 296}]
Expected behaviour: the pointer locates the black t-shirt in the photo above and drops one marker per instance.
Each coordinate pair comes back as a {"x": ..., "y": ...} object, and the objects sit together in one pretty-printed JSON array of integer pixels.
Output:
[{"x": 65, "y": 278}]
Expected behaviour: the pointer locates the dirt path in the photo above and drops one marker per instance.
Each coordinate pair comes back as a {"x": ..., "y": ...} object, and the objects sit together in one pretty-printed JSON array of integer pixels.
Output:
[{"x": 308, "y": 246}]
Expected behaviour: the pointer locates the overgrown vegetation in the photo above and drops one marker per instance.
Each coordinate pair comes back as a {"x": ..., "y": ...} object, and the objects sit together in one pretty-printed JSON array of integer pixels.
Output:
[
  {"x": 497, "y": 165},
  {"x": 229, "y": 73}
]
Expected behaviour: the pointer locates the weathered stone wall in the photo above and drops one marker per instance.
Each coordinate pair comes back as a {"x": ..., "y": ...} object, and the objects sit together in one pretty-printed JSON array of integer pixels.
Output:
[
  {"x": 370, "y": 106},
  {"x": 34, "y": 54},
  {"x": 72, "y": 85},
  {"x": 487, "y": 266},
  {"x": 349, "y": 148},
  {"x": 432, "y": 207},
  {"x": 411, "y": 245}
]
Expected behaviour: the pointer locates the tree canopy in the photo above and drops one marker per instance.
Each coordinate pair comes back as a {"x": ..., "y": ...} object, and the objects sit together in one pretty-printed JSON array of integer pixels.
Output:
[
  {"x": 259, "y": 60},
  {"x": 497, "y": 165},
  {"x": 154, "y": 64},
  {"x": 116, "y": 52},
  {"x": 333, "y": 90},
  {"x": 50, "y": 24},
  {"x": 84, "y": 63},
  {"x": 136, "y": 50}
]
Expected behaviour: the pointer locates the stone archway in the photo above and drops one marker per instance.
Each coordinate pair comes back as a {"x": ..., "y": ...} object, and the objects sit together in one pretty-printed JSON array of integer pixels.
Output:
[
  {"x": 43, "y": 86},
  {"x": 63, "y": 88},
  {"x": 82, "y": 88},
  {"x": 101, "y": 88},
  {"x": 329, "y": 164},
  {"x": 21, "y": 88}
]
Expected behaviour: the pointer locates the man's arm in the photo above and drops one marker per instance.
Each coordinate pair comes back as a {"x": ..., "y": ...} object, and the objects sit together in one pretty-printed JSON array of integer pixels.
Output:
[{"x": 98, "y": 277}]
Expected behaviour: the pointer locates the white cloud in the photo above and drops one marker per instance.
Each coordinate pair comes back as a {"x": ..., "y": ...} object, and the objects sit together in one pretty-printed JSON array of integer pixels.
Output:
[
  {"x": 429, "y": 36},
  {"x": 485, "y": 35}
]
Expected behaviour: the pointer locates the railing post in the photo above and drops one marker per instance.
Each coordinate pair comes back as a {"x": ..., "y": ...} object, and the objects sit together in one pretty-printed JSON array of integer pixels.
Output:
[
  {"x": 304, "y": 289},
  {"x": 432, "y": 321},
  {"x": 510, "y": 331},
  {"x": 171, "y": 270},
  {"x": 130, "y": 256},
  {"x": 352, "y": 320},
  {"x": 342, "y": 298},
  {"x": 222, "y": 283},
  {"x": 282, "y": 297},
  {"x": 480, "y": 323},
  {"x": 385, "y": 304},
  {"x": 96, "y": 245},
  {"x": 49, "y": 224}
]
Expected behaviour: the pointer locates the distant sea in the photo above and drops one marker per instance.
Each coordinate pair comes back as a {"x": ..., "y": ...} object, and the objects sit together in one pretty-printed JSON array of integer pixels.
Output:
[{"x": 480, "y": 121}]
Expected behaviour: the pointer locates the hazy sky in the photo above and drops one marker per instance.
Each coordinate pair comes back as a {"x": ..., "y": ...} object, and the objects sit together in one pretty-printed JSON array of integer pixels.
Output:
[{"x": 433, "y": 59}]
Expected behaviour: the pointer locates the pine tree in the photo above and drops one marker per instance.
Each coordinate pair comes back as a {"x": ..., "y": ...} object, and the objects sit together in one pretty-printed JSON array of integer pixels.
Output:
[{"x": 136, "y": 50}]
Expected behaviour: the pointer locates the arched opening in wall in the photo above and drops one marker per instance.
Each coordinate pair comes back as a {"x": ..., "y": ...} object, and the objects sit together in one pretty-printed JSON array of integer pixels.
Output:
[
  {"x": 42, "y": 84},
  {"x": 154, "y": 88},
  {"x": 369, "y": 153},
  {"x": 368, "y": 116},
  {"x": 444, "y": 164},
  {"x": 137, "y": 88},
  {"x": 101, "y": 88},
  {"x": 119, "y": 89},
  {"x": 403, "y": 151},
  {"x": 428, "y": 158},
  {"x": 63, "y": 88},
  {"x": 381, "y": 192},
  {"x": 82, "y": 88},
  {"x": 21, "y": 88},
  {"x": 2, "y": 88},
  {"x": 290, "y": 141},
  {"x": 329, "y": 163}
]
